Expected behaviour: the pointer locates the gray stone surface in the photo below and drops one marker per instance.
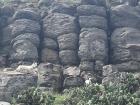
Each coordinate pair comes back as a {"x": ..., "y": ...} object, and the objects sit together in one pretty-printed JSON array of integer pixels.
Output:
[
  {"x": 49, "y": 55},
  {"x": 93, "y": 45},
  {"x": 68, "y": 41},
  {"x": 73, "y": 82},
  {"x": 25, "y": 26},
  {"x": 125, "y": 45},
  {"x": 57, "y": 24},
  {"x": 13, "y": 82},
  {"x": 125, "y": 16},
  {"x": 50, "y": 43},
  {"x": 93, "y": 21},
  {"x": 50, "y": 76},
  {"x": 88, "y": 10},
  {"x": 27, "y": 13},
  {"x": 68, "y": 57},
  {"x": 24, "y": 50}
]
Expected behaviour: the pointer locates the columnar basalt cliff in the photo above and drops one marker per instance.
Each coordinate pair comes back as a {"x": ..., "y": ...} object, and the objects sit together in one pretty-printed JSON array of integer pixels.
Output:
[{"x": 71, "y": 40}]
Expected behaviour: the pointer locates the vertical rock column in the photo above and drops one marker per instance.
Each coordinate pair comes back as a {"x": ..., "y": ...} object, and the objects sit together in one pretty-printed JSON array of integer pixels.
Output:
[
  {"x": 6, "y": 13},
  {"x": 61, "y": 28},
  {"x": 25, "y": 35},
  {"x": 125, "y": 39},
  {"x": 93, "y": 49}
]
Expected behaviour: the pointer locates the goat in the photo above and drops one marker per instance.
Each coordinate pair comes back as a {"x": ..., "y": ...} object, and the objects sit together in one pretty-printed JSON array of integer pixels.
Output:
[
  {"x": 88, "y": 81},
  {"x": 26, "y": 68}
]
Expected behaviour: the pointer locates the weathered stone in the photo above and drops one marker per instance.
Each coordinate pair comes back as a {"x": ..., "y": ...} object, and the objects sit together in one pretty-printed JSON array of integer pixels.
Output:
[
  {"x": 3, "y": 21},
  {"x": 3, "y": 60},
  {"x": 111, "y": 75},
  {"x": 71, "y": 71},
  {"x": 27, "y": 13},
  {"x": 7, "y": 10},
  {"x": 49, "y": 55},
  {"x": 93, "y": 21},
  {"x": 50, "y": 43},
  {"x": 24, "y": 50},
  {"x": 25, "y": 26},
  {"x": 50, "y": 75},
  {"x": 73, "y": 82},
  {"x": 13, "y": 82},
  {"x": 68, "y": 41},
  {"x": 6, "y": 35},
  {"x": 89, "y": 74},
  {"x": 33, "y": 38},
  {"x": 131, "y": 66},
  {"x": 45, "y": 2},
  {"x": 125, "y": 45},
  {"x": 125, "y": 16},
  {"x": 88, "y": 10},
  {"x": 93, "y": 45},
  {"x": 87, "y": 66},
  {"x": 68, "y": 57},
  {"x": 63, "y": 8},
  {"x": 57, "y": 24},
  {"x": 99, "y": 65}
]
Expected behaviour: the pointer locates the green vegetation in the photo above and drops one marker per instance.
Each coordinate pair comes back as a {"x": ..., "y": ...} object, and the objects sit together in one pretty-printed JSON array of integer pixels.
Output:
[{"x": 123, "y": 93}]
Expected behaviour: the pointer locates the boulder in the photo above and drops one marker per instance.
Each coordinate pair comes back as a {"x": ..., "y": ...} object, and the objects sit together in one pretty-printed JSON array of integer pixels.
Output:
[
  {"x": 112, "y": 75},
  {"x": 11, "y": 83},
  {"x": 125, "y": 16},
  {"x": 87, "y": 66},
  {"x": 63, "y": 8},
  {"x": 57, "y": 24},
  {"x": 33, "y": 38},
  {"x": 49, "y": 55},
  {"x": 46, "y": 3},
  {"x": 50, "y": 76},
  {"x": 27, "y": 13},
  {"x": 88, "y": 10},
  {"x": 93, "y": 45},
  {"x": 73, "y": 82},
  {"x": 99, "y": 65},
  {"x": 68, "y": 57},
  {"x": 22, "y": 26},
  {"x": 125, "y": 45},
  {"x": 50, "y": 43},
  {"x": 24, "y": 50},
  {"x": 68, "y": 41},
  {"x": 71, "y": 71},
  {"x": 93, "y": 21},
  {"x": 130, "y": 66}
]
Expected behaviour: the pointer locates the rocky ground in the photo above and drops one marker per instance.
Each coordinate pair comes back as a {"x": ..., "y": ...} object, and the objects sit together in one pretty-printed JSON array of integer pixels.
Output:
[{"x": 70, "y": 40}]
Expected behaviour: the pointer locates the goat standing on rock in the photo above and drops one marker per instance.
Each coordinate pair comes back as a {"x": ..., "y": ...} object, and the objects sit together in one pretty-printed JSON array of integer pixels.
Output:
[{"x": 88, "y": 82}]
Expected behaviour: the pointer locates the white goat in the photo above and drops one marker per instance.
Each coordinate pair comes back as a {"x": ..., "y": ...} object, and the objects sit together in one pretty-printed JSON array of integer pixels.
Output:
[
  {"x": 88, "y": 81},
  {"x": 26, "y": 68}
]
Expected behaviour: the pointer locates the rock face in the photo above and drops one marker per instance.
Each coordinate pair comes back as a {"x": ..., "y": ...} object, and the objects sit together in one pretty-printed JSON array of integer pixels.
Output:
[
  {"x": 72, "y": 40},
  {"x": 93, "y": 37},
  {"x": 25, "y": 35},
  {"x": 50, "y": 76},
  {"x": 125, "y": 37},
  {"x": 13, "y": 82}
]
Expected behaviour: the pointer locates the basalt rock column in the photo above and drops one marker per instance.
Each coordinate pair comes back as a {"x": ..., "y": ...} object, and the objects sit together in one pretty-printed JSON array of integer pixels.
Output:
[
  {"x": 25, "y": 32},
  {"x": 125, "y": 42},
  {"x": 93, "y": 49}
]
